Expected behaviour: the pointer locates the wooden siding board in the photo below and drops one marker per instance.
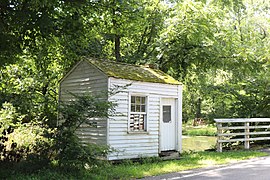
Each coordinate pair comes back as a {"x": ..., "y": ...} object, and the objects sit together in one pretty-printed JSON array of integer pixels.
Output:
[
  {"x": 83, "y": 81},
  {"x": 138, "y": 148},
  {"x": 138, "y": 151},
  {"x": 117, "y": 156},
  {"x": 129, "y": 144},
  {"x": 131, "y": 137},
  {"x": 116, "y": 82},
  {"x": 82, "y": 78},
  {"x": 85, "y": 86},
  {"x": 118, "y": 125},
  {"x": 144, "y": 87}
]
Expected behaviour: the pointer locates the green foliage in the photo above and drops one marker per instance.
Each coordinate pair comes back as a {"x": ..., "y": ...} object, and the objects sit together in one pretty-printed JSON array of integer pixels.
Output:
[
  {"x": 34, "y": 146},
  {"x": 219, "y": 51},
  {"x": 83, "y": 108},
  {"x": 71, "y": 152},
  {"x": 250, "y": 97},
  {"x": 204, "y": 130},
  {"x": 22, "y": 141},
  {"x": 188, "y": 39},
  {"x": 9, "y": 120},
  {"x": 30, "y": 86}
]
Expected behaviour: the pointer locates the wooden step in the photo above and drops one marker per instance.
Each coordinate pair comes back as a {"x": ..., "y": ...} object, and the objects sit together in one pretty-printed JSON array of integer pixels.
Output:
[{"x": 166, "y": 155}]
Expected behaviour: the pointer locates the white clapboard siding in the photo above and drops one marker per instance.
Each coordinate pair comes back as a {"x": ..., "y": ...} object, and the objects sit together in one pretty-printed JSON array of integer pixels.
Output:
[
  {"x": 126, "y": 155},
  {"x": 130, "y": 144},
  {"x": 146, "y": 87},
  {"x": 124, "y": 132},
  {"x": 85, "y": 78}
]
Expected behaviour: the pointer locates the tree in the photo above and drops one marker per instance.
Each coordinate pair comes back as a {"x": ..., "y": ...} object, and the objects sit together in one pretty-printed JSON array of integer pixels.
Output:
[
  {"x": 127, "y": 30},
  {"x": 39, "y": 42},
  {"x": 188, "y": 39},
  {"x": 215, "y": 46}
]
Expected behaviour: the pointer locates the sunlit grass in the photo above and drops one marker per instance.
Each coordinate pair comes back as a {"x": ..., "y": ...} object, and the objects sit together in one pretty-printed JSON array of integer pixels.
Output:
[
  {"x": 131, "y": 170},
  {"x": 202, "y": 130},
  {"x": 187, "y": 162},
  {"x": 198, "y": 143}
]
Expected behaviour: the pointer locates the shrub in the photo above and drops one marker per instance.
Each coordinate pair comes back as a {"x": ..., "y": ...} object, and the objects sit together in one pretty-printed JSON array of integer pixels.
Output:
[
  {"x": 9, "y": 120},
  {"x": 22, "y": 141},
  {"x": 33, "y": 145},
  {"x": 71, "y": 152}
]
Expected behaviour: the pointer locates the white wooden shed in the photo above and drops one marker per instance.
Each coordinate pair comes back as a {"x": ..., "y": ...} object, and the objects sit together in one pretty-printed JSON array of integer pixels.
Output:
[{"x": 150, "y": 107}]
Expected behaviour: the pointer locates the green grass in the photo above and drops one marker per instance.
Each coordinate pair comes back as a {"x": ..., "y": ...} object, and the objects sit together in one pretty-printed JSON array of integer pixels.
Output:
[
  {"x": 198, "y": 143},
  {"x": 203, "y": 130},
  {"x": 130, "y": 170}
]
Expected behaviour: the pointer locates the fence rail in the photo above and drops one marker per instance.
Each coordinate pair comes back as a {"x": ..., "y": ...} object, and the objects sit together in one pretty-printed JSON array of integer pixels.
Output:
[{"x": 248, "y": 127}]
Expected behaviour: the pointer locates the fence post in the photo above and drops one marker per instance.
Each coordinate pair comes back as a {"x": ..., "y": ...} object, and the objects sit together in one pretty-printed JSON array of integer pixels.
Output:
[
  {"x": 246, "y": 135},
  {"x": 219, "y": 131}
]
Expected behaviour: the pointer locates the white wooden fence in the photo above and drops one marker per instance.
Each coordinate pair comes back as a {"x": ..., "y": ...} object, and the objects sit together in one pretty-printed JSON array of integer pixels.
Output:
[{"x": 248, "y": 128}]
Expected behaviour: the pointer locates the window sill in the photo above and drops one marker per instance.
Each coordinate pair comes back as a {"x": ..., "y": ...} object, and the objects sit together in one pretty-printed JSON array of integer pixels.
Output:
[{"x": 138, "y": 132}]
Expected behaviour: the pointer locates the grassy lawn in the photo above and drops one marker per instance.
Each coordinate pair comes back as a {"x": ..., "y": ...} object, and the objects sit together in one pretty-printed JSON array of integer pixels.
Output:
[
  {"x": 198, "y": 143},
  {"x": 202, "y": 130},
  {"x": 130, "y": 170}
]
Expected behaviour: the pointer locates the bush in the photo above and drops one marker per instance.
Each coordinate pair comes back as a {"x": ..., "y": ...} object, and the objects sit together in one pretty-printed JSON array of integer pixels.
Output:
[
  {"x": 31, "y": 146},
  {"x": 21, "y": 142},
  {"x": 71, "y": 152}
]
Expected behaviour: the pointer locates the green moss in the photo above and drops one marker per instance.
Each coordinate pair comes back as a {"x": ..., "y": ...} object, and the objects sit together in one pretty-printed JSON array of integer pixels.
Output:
[{"x": 132, "y": 72}]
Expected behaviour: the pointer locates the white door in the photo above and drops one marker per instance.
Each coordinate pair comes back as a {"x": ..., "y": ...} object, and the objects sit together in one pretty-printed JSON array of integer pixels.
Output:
[{"x": 168, "y": 125}]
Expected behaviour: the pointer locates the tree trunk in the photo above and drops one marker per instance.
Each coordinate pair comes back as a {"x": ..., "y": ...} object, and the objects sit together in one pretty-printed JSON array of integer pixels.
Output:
[
  {"x": 199, "y": 110},
  {"x": 117, "y": 48},
  {"x": 116, "y": 33}
]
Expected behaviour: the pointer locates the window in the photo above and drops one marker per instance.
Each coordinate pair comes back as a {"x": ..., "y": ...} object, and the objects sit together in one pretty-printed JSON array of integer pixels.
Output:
[
  {"x": 137, "y": 120},
  {"x": 167, "y": 118}
]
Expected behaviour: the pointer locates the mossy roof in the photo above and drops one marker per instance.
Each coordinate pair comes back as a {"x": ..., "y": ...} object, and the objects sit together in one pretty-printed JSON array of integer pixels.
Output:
[{"x": 132, "y": 72}]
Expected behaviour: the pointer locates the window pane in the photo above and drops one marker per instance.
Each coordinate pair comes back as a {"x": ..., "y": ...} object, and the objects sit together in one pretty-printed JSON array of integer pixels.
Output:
[
  {"x": 167, "y": 114},
  {"x": 138, "y": 100},
  {"x": 132, "y": 99},
  {"x": 143, "y": 100},
  {"x": 132, "y": 107},
  {"x": 138, "y": 109},
  {"x": 142, "y": 108}
]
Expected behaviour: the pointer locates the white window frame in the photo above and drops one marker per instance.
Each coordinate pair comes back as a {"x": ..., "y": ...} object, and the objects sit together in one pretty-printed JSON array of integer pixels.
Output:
[{"x": 145, "y": 130}]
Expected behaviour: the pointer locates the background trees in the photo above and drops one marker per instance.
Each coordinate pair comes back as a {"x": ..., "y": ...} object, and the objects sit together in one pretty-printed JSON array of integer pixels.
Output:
[{"x": 218, "y": 49}]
